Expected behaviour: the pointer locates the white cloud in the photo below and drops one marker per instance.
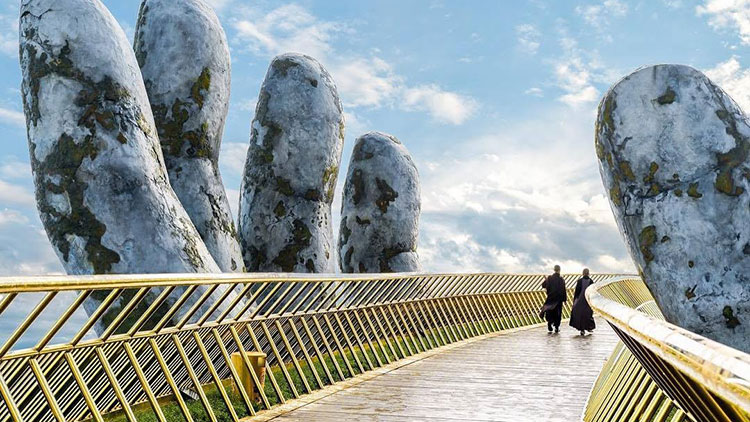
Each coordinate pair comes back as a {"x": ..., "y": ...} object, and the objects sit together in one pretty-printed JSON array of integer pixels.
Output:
[
  {"x": 248, "y": 104},
  {"x": 8, "y": 216},
  {"x": 535, "y": 92},
  {"x": 574, "y": 77},
  {"x": 366, "y": 82},
  {"x": 11, "y": 168},
  {"x": 577, "y": 71},
  {"x": 219, "y": 5},
  {"x": 599, "y": 16},
  {"x": 726, "y": 14},
  {"x": 355, "y": 124},
  {"x": 446, "y": 107},
  {"x": 362, "y": 80},
  {"x": 14, "y": 194},
  {"x": 503, "y": 206},
  {"x": 528, "y": 38},
  {"x": 33, "y": 256},
  {"x": 232, "y": 158},
  {"x": 585, "y": 94},
  {"x": 12, "y": 117},
  {"x": 289, "y": 28},
  {"x": 735, "y": 80},
  {"x": 9, "y": 34}
]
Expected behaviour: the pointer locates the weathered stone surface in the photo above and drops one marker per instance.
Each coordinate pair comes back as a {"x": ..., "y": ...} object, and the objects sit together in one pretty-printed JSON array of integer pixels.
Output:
[
  {"x": 380, "y": 208},
  {"x": 673, "y": 152},
  {"x": 184, "y": 58},
  {"x": 101, "y": 184},
  {"x": 291, "y": 169}
]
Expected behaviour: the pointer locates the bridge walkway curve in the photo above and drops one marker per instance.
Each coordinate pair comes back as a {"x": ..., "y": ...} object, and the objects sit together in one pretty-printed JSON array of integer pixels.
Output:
[{"x": 526, "y": 375}]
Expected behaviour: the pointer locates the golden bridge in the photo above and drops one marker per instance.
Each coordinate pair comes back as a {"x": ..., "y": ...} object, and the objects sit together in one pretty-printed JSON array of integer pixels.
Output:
[{"x": 438, "y": 347}]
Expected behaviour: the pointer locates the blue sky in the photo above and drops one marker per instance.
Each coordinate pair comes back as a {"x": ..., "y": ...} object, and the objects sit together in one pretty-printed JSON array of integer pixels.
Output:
[{"x": 496, "y": 102}]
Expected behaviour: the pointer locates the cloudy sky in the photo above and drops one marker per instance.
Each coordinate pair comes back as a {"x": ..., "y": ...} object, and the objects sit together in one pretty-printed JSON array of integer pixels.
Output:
[{"x": 495, "y": 101}]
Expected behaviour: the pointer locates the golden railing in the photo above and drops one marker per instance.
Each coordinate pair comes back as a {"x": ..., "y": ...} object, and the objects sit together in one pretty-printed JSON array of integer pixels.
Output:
[
  {"x": 660, "y": 372},
  {"x": 163, "y": 346}
]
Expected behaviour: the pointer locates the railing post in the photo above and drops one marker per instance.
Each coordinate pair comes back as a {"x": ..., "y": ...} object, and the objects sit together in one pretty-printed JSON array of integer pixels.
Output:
[{"x": 258, "y": 362}]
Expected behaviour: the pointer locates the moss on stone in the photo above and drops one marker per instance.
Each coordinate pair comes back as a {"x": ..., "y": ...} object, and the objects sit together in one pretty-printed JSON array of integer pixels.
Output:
[
  {"x": 347, "y": 268},
  {"x": 667, "y": 98},
  {"x": 138, "y": 44},
  {"x": 359, "y": 154},
  {"x": 653, "y": 168},
  {"x": 220, "y": 220},
  {"x": 201, "y": 87},
  {"x": 609, "y": 108},
  {"x": 653, "y": 190},
  {"x": 345, "y": 232},
  {"x": 106, "y": 107},
  {"x": 599, "y": 148},
  {"x": 175, "y": 140},
  {"x": 730, "y": 318},
  {"x": 358, "y": 184},
  {"x": 261, "y": 151},
  {"x": 283, "y": 64},
  {"x": 690, "y": 292},
  {"x": 191, "y": 246},
  {"x": 61, "y": 165},
  {"x": 387, "y": 195},
  {"x": 678, "y": 192},
  {"x": 279, "y": 210},
  {"x": 693, "y": 191},
  {"x": 284, "y": 186},
  {"x": 362, "y": 221},
  {"x": 647, "y": 239},
  {"x": 626, "y": 171},
  {"x": 329, "y": 181},
  {"x": 731, "y": 159},
  {"x": 288, "y": 257},
  {"x": 312, "y": 195},
  {"x": 615, "y": 195}
]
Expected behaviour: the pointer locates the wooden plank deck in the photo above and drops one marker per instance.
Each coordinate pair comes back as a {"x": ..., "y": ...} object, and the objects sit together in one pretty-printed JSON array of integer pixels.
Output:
[{"x": 509, "y": 377}]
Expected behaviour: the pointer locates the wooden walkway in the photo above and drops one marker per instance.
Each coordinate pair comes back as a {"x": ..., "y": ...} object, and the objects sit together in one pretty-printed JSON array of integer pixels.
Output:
[{"x": 527, "y": 375}]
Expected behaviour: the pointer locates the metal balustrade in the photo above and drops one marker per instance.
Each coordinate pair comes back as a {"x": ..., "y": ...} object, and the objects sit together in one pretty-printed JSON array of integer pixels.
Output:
[
  {"x": 660, "y": 372},
  {"x": 163, "y": 347}
]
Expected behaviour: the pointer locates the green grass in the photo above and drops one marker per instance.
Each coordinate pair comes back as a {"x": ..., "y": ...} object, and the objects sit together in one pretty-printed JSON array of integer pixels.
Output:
[{"x": 172, "y": 410}]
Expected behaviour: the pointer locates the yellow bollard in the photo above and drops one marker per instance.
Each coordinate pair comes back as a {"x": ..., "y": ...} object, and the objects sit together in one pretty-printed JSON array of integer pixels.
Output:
[{"x": 258, "y": 362}]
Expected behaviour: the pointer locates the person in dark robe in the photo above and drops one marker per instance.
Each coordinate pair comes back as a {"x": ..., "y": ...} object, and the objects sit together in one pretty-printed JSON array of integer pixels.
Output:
[
  {"x": 556, "y": 296},
  {"x": 582, "y": 316}
]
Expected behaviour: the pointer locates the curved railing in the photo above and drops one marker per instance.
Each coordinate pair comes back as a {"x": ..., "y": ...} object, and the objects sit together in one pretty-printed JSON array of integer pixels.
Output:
[
  {"x": 661, "y": 372},
  {"x": 180, "y": 347}
]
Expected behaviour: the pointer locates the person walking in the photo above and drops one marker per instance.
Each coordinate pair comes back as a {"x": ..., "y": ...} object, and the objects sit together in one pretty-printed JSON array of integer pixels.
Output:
[
  {"x": 582, "y": 316},
  {"x": 556, "y": 296}
]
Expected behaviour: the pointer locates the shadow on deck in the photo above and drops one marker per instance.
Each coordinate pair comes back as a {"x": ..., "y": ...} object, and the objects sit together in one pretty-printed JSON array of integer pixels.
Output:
[{"x": 526, "y": 375}]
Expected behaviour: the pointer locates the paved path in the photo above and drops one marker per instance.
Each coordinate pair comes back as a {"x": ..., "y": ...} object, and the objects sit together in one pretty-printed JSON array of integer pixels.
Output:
[{"x": 505, "y": 378}]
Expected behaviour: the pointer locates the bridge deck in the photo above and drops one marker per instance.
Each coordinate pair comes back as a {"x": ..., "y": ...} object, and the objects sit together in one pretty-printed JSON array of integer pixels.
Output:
[{"x": 509, "y": 377}]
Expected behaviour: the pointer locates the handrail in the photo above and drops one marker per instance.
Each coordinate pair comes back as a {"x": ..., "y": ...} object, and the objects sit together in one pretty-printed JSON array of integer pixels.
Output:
[
  {"x": 68, "y": 283},
  {"x": 722, "y": 370},
  {"x": 145, "y": 339}
]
